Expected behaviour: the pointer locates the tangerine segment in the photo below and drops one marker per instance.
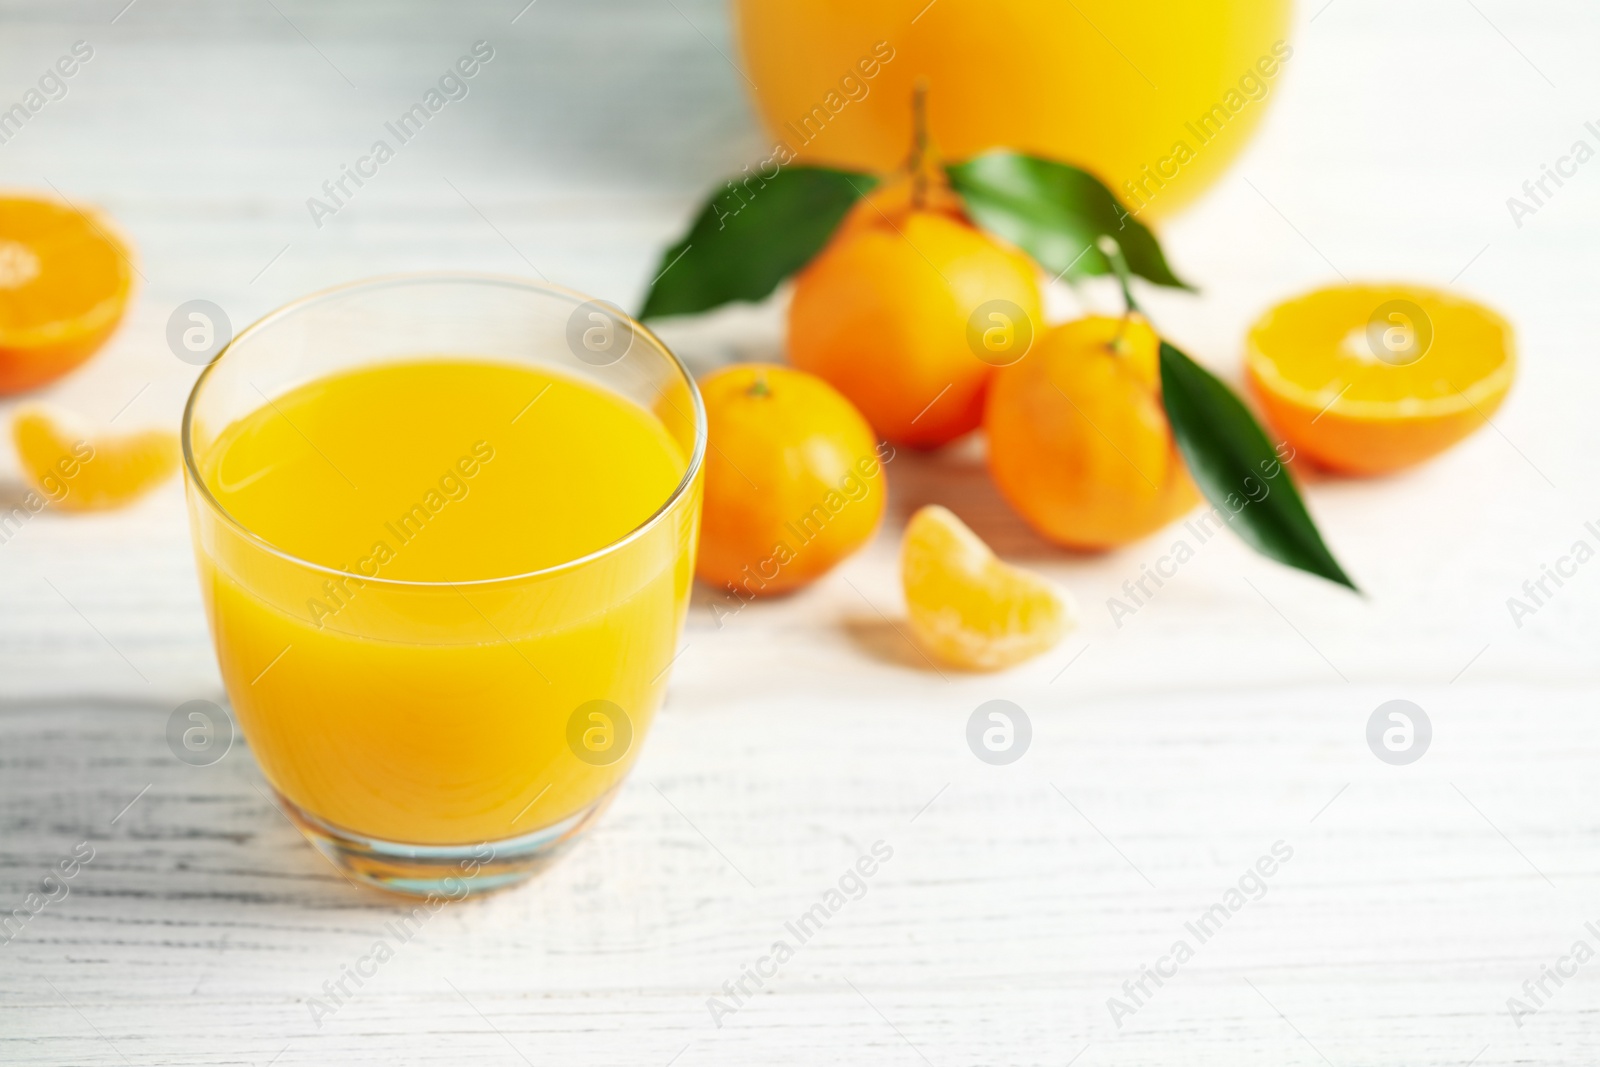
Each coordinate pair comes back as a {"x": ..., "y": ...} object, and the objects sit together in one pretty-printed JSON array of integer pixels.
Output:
[
  {"x": 64, "y": 283},
  {"x": 78, "y": 472},
  {"x": 967, "y": 607},
  {"x": 1368, "y": 379}
]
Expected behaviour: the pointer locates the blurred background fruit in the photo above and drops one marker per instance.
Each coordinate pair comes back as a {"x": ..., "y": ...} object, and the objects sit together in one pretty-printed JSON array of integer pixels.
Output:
[
  {"x": 793, "y": 480},
  {"x": 1367, "y": 379},
  {"x": 966, "y": 606},
  {"x": 75, "y": 469},
  {"x": 1103, "y": 84},
  {"x": 1079, "y": 442},
  {"x": 65, "y": 277},
  {"x": 883, "y": 313}
]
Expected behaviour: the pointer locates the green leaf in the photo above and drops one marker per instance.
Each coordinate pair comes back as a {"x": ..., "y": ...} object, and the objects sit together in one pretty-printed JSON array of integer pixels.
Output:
[
  {"x": 1238, "y": 471},
  {"x": 751, "y": 236},
  {"x": 1055, "y": 212}
]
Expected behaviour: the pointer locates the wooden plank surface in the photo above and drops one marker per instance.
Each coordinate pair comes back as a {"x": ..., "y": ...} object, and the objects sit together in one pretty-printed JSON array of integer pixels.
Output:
[{"x": 1169, "y": 754}]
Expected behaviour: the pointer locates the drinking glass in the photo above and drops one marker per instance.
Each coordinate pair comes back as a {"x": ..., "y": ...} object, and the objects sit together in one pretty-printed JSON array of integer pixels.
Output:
[{"x": 436, "y": 737}]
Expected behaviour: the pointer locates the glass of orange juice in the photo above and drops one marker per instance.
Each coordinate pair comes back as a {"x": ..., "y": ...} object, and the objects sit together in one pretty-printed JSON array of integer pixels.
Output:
[{"x": 445, "y": 529}]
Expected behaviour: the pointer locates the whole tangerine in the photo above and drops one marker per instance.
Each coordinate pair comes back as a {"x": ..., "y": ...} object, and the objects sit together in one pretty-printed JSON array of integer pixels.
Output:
[
  {"x": 907, "y": 312},
  {"x": 1079, "y": 442},
  {"x": 794, "y": 480}
]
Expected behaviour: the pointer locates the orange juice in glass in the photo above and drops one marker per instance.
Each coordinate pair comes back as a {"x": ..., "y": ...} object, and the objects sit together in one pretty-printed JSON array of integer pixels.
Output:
[{"x": 445, "y": 529}]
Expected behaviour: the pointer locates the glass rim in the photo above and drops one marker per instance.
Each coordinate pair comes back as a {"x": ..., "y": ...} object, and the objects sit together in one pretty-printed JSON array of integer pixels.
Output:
[{"x": 508, "y": 281}]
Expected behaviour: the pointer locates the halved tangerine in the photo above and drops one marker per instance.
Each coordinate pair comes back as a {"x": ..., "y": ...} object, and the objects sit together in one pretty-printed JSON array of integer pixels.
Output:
[
  {"x": 64, "y": 283},
  {"x": 1367, "y": 379}
]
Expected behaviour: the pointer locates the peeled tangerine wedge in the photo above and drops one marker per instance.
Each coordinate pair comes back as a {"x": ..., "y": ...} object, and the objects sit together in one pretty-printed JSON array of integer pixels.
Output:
[
  {"x": 78, "y": 471},
  {"x": 967, "y": 607},
  {"x": 1368, "y": 379}
]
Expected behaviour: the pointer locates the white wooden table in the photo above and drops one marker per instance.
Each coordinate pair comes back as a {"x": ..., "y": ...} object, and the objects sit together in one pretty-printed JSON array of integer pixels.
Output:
[{"x": 1168, "y": 754}]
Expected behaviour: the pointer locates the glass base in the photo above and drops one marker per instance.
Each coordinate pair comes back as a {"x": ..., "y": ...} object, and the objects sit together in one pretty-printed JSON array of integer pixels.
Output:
[{"x": 450, "y": 871}]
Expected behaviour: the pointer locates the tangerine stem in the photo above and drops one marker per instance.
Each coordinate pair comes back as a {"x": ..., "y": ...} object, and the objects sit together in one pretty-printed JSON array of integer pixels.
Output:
[
  {"x": 919, "y": 144},
  {"x": 1119, "y": 265},
  {"x": 759, "y": 387},
  {"x": 1115, "y": 345}
]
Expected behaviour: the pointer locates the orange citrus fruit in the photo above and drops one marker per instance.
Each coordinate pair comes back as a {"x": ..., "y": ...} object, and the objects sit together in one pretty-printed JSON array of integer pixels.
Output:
[
  {"x": 967, "y": 607},
  {"x": 899, "y": 311},
  {"x": 80, "y": 471},
  {"x": 1367, "y": 379},
  {"x": 64, "y": 283},
  {"x": 794, "y": 482},
  {"x": 1079, "y": 442},
  {"x": 1104, "y": 84}
]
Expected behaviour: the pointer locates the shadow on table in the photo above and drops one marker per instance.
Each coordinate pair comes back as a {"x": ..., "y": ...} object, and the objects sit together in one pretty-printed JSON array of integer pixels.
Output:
[{"x": 957, "y": 478}]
